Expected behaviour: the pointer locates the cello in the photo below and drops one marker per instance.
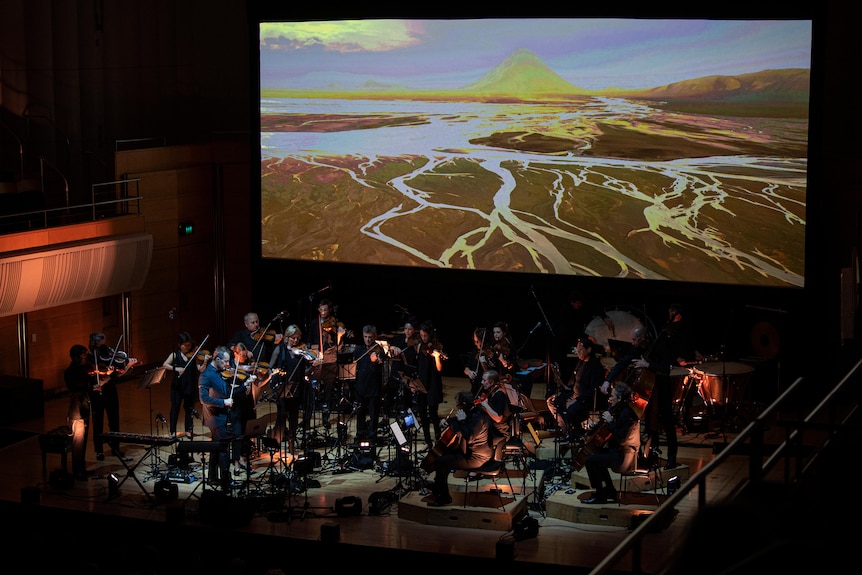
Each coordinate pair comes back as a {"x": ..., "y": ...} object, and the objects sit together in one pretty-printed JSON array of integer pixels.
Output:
[{"x": 594, "y": 441}]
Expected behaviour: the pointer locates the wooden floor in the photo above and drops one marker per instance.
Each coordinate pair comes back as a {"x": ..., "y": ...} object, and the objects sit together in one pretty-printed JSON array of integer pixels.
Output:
[{"x": 274, "y": 525}]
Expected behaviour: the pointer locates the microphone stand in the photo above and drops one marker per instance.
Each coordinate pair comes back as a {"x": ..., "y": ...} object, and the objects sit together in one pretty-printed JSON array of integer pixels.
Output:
[{"x": 551, "y": 337}]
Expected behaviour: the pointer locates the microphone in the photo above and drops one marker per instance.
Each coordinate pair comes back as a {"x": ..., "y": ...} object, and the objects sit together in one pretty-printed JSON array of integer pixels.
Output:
[
  {"x": 535, "y": 327},
  {"x": 328, "y": 286},
  {"x": 398, "y": 308},
  {"x": 160, "y": 417},
  {"x": 281, "y": 314},
  {"x": 172, "y": 312},
  {"x": 195, "y": 413}
]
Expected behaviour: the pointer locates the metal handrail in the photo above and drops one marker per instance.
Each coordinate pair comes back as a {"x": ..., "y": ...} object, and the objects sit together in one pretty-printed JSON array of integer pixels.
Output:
[
  {"x": 758, "y": 467},
  {"x": 80, "y": 213}
]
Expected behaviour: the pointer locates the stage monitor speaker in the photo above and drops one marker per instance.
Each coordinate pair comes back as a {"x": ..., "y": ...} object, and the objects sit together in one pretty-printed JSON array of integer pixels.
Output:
[
  {"x": 346, "y": 506},
  {"x": 526, "y": 528},
  {"x": 165, "y": 491}
]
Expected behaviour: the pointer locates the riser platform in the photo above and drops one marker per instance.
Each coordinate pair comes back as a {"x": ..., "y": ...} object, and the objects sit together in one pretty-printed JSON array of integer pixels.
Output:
[
  {"x": 480, "y": 511},
  {"x": 570, "y": 507}
]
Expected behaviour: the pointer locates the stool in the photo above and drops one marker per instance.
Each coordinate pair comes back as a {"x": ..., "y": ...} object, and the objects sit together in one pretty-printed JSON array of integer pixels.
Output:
[
  {"x": 57, "y": 440},
  {"x": 490, "y": 470}
]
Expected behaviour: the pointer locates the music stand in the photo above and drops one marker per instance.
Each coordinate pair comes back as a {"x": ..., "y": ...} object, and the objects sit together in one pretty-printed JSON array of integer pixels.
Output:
[
  {"x": 201, "y": 448},
  {"x": 153, "y": 377}
]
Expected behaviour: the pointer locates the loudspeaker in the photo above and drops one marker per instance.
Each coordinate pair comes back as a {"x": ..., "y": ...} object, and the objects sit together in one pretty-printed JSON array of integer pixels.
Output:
[
  {"x": 348, "y": 506},
  {"x": 526, "y": 528},
  {"x": 379, "y": 502},
  {"x": 165, "y": 491}
]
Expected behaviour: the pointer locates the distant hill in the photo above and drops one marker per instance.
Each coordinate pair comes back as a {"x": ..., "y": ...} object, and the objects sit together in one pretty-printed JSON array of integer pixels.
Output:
[
  {"x": 785, "y": 85},
  {"x": 522, "y": 74},
  {"x": 525, "y": 75}
]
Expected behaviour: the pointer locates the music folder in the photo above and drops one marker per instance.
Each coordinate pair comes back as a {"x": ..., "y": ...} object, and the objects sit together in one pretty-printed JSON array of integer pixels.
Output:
[
  {"x": 399, "y": 435},
  {"x": 152, "y": 377}
]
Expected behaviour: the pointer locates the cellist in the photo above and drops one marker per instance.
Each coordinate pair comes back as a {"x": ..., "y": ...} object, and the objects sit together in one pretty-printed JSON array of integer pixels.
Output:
[
  {"x": 495, "y": 402},
  {"x": 621, "y": 450}
]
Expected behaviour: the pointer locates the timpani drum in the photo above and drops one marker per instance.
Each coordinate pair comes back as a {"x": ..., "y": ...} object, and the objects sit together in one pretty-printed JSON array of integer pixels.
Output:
[{"x": 723, "y": 383}]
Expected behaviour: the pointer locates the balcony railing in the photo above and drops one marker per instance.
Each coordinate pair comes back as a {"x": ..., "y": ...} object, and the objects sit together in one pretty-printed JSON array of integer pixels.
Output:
[{"x": 108, "y": 200}]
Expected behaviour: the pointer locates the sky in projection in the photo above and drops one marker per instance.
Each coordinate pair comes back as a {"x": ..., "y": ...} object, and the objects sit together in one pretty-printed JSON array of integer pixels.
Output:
[{"x": 590, "y": 53}]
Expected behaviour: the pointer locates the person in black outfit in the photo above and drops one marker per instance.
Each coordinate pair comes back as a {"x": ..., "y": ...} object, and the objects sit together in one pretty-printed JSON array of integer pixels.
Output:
[
  {"x": 674, "y": 347},
  {"x": 574, "y": 407},
  {"x": 79, "y": 381},
  {"x": 398, "y": 397},
  {"x": 571, "y": 324},
  {"x": 184, "y": 383},
  {"x": 429, "y": 365},
  {"x": 104, "y": 398},
  {"x": 495, "y": 402},
  {"x": 293, "y": 361},
  {"x": 480, "y": 358},
  {"x": 471, "y": 452},
  {"x": 621, "y": 424},
  {"x": 368, "y": 387}
]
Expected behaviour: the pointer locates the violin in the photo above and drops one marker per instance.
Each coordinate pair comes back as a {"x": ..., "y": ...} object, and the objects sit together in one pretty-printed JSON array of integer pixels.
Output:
[
  {"x": 112, "y": 356},
  {"x": 430, "y": 348},
  {"x": 203, "y": 356},
  {"x": 267, "y": 336}
]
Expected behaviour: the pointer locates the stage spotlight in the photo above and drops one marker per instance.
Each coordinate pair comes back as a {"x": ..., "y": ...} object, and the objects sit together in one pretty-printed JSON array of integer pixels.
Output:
[{"x": 672, "y": 485}]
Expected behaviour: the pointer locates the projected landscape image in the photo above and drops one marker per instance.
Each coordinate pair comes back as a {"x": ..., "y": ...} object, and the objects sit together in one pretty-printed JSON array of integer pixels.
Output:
[{"x": 654, "y": 149}]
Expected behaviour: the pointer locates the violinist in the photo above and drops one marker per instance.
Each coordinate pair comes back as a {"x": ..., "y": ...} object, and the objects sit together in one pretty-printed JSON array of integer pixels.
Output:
[
  {"x": 328, "y": 335},
  {"x": 241, "y": 371},
  {"x": 495, "y": 402},
  {"x": 398, "y": 396},
  {"x": 368, "y": 387},
  {"x": 429, "y": 365},
  {"x": 294, "y": 361},
  {"x": 214, "y": 392},
  {"x": 252, "y": 337},
  {"x": 620, "y": 452},
  {"x": 184, "y": 383},
  {"x": 104, "y": 398},
  {"x": 479, "y": 359},
  {"x": 502, "y": 350},
  {"x": 471, "y": 452}
]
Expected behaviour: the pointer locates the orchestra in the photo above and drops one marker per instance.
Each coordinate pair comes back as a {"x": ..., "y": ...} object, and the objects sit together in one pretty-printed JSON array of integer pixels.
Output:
[{"x": 387, "y": 376}]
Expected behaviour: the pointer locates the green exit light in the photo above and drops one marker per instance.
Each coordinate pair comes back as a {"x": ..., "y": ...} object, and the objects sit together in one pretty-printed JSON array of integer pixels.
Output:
[{"x": 187, "y": 229}]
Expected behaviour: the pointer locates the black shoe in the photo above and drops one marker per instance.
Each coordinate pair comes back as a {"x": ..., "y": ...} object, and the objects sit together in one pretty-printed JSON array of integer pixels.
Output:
[
  {"x": 670, "y": 465},
  {"x": 598, "y": 497},
  {"x": 236, "y": 484},
  {"x": 100, "y": 456}
]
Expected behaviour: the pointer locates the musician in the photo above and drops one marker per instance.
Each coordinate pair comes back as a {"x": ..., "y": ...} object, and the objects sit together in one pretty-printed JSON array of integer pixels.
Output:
[
  {"x": 402, "y": 349},
  {"x": 572, "y": 406},
  {"x": 79, "y": 381},
  {"x": 502, "y": 351},
  {"x": 242, "y": 368},
  {"x": 251, "y": 321},
  {"x": 222, "y": 421},
  {"x": 571, "y": 323},
  {"x": 674, "y": 346},
  {"x": 328, "y": 334},
  {"x": 104, "y": 398},
  {"x": 472, "y": 451},
  {"x": 620, "y": 452},
  {"x": 294, "y": 362},
  {"x": 368, "y": 387},
  {"x": 495, "y": 402},
  {"x": 184, "y": 382},
  {"x": 479, "y": 359},
  {"x": 429, "y": 365},
  {"x": 624, "y": 364}
]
